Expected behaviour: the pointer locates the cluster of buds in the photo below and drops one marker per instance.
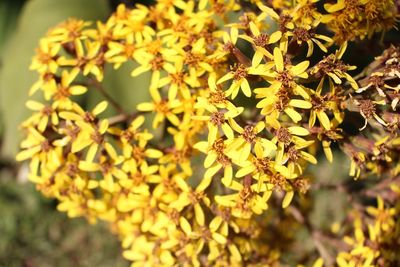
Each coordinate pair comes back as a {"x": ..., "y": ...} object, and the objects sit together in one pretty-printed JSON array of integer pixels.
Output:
[{"x": 240, "y": 105}]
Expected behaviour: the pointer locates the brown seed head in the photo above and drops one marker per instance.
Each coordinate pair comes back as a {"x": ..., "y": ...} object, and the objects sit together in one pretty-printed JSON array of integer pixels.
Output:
[
  {"x": 240, "y": 72},
  {"x": 248, "y": 134},
  {"x": 283, "y": 135},
  {"x": 217, "y": 118},
  {"x": 367, "y": 108},
  {"x": 302, "y": 34},
  {"x": 261, "y": 40}
]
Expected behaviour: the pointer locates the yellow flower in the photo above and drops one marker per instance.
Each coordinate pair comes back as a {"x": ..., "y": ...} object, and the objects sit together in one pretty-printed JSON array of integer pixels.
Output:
[
  {"x": 132, "y": 133},
  {"x": 108, "y": 168},
  {"x": 89, "y": 58},
  {"x": 308, "y": 36},
  {"x": 163, "y": 108},
  {"x": 92, "y": 136},
  {"x": 239, "y": 74},
  {"x": 289, "y": 149},
  {"x": 242, "y": 145},
  {"x": 62, "y": 92},
  {"x": 178, "y": 81},
  {"x": 305, "y": 12},
  {"x": 335, "y": 68},
  {"x": 154, "y": 60},
  {"x": 278, "y": 96},
  {"x": 216, "y": 159},
  {"x": 219, "y": 119},
  {"x": 45, "y": 61},
  {"x": 245, "y": 202},
  {"x": 260, "y": 41},
  {"x": 42, "y": 117},
  {"x": 35, "y": 144}
]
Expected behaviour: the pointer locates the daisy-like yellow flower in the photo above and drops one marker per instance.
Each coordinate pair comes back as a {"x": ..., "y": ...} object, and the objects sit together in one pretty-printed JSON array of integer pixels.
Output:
[
  {"x": 192, "y": 197},
  {"x": 285, "y": 74},
  {"x": 178, "y": 81},
  {"x": 242, "y": 145},
  {"x": 335, "y": 68},
  {"x": 68, "y": 31},
  {"x": 44, "y": 114},
  {"x": 278, "y": 96},
  {"x": 218, "y": 119},
  {"x": 289, "y": 149},
  {"x": 118, "y": 53},
  {"x": 92, "y": 136},
  {"x": 131, "y": 134},
  {"x": 260, "y": 166},
  {"x": 216, "y": 159},
  {"x": 45, "y": 61},
  {"x": 320, "y": 105},
  {"x": 305, "y": 12},
  {"x": 239, "y": 74},
  {"x": 62, "y": 92},
  {"x": 163, "y": 108},
  {"x": 245, "y": 201},
  {"x": 108, "y": 168},
  {"x": 78, "y": 114},
  {"x": 261, "y": 42},
  {"x": 214, "y": 95},
  {"x": 196, "y": 58},
  {"x": 88, "y": 58},
  {"x": 384, "y": 217},
  {"x": 37, "y": 145},
  {"x": 153, "y": 58},
  {"x": 140, "y": 152},
  {"x": 306, "y": 34}
]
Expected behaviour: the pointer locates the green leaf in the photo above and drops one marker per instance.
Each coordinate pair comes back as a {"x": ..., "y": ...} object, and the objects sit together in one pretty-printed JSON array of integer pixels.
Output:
[
  {"x": 126, "y": 90},
  {"x": 15, "y": 78},
  {"x": 9, "y": 10}
]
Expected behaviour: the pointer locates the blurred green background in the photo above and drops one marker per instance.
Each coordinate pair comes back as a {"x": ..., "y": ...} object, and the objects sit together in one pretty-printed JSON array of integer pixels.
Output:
[{"x": 32, "y": 232}]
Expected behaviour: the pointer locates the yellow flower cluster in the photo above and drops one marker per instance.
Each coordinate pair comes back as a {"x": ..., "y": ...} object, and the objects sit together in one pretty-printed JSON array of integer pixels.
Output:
[
  {"x": 347, "y": 19},
  {"x": 351, "y": 19},
  {"x": 243, "y": 102},
  {"x": 375, "y": 243}
]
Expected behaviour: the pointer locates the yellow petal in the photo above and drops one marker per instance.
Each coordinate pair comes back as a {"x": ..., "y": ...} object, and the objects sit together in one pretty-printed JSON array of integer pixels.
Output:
[
  {"x": 275, "y": 37},
  {"x": 28, "y": 153},
  {"x": 34, "y": 105},
  {"x": 245, "y": 170},
  {"x": 310, "y": 158},
  {"x": 215, "y": 223},
  {"x": 100, "y": 107},
  {"x": 287, "y": 199},
  {"x": 210, "y": 159},
  {"x": 199, "y": 214},
  {"x": 297, "y": 130},
  {"x": 298, "y": 103},
  {"x": 185, "y": 225},
  {"x": 299, "y": 68},
  {"x": 278, "y": 59},
  {"x": 327, "y": 150},
  {"x": 219, "y": 238},
  {"x": 89, "y": 166},
  {"x": 145, "y": 107},
  {"x": 324, "y": 120},
  {"x": 77, "y": 89},
  {"x": 204, "y": 184},
  {"x": 293, "y": 114}
]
